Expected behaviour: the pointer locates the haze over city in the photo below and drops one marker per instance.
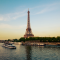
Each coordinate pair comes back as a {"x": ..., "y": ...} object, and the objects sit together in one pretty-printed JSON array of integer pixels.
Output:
[{"x": 44, "y": 18}]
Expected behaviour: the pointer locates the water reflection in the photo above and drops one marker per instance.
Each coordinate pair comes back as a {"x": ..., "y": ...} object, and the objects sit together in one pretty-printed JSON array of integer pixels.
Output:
[{"x": 28, "y": 52}]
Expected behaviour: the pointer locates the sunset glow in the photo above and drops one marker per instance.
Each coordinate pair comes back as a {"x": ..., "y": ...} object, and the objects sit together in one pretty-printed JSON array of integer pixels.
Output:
[{"x": 44, "y": 18}]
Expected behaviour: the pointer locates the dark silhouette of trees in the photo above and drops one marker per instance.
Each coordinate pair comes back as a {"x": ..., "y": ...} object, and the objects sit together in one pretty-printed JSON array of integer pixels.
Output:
[
  {"x": 42, "y": 39},
  {"x": 15, "y": 40}
]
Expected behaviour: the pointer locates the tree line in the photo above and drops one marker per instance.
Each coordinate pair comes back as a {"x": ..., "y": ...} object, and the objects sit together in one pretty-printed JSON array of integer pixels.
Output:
[{"x": 41, "y": 39}]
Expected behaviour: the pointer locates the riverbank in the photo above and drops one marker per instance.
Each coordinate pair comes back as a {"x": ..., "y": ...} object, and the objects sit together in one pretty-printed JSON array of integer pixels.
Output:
[
  {"x": 35, "y": 43},
  {"x": 41, "y": 43},
  {"x": 51, "y": 43}
]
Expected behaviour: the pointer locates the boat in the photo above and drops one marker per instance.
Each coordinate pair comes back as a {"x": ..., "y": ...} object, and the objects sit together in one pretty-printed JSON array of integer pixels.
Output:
[
  {"x": 9, "y": 46},
  {"x": 58, "y": 44},
  {"x": 41, "y": 44},
  {"x": 52, "y": 46},
  {"x": 34, "y": 44}
]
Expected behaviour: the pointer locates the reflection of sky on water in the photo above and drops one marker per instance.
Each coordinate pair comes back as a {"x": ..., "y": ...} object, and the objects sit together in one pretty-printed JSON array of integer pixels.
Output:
[
  {"x": 29, "y": 53},
  {"x": 45, "y": 53}
]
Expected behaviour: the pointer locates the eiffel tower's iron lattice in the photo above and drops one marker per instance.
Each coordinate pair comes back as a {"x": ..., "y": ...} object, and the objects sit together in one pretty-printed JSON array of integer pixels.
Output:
[{"x": 28, "y": 30}]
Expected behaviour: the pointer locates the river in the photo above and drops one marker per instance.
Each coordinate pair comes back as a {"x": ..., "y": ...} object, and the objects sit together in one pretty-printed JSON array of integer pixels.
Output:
[{"x": 29, "y": 53}]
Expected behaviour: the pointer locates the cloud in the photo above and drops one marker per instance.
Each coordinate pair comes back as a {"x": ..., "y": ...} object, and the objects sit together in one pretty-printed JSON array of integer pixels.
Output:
[
  {"x": 12, "y": 16},
  {"x": 47, "y": 8},
  {"x": 1, "y": 18},
  {"x": 7, "y": 26},
  {"x": 42, "y": 11},
  {"x": 15, "y": 17},
  {"x": 45, "y": 5}
]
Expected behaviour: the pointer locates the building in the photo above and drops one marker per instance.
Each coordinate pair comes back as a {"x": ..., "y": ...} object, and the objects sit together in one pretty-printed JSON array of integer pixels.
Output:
[{"x": 28, "y": 30}]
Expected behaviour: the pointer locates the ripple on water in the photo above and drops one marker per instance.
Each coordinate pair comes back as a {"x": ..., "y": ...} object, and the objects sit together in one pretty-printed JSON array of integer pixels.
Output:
[{"x": 29, "y": 53}]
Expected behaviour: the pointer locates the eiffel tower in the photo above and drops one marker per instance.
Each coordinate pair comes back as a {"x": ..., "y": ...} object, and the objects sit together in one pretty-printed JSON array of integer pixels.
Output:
[{"x": 28, "y": 30}]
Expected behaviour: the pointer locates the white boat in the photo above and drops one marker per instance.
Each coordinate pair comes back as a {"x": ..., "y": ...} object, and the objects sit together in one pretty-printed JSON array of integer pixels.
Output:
[
  {"x": 41, "y": 44},
  {"x": 9, "y": 46}
]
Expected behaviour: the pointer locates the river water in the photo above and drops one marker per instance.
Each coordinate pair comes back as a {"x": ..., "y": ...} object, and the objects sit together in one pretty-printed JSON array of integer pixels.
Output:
[{"x": 29, "y": 53}]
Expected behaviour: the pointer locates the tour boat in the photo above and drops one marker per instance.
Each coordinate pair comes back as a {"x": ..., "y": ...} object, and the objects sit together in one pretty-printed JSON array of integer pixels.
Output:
[
  {"x": 9, "y": 46},
  {"x": 41, "y": 44}
]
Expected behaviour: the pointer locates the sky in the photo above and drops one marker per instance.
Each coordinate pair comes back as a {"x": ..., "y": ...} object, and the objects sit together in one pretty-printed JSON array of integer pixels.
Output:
[{"x": 44, "y": 18}]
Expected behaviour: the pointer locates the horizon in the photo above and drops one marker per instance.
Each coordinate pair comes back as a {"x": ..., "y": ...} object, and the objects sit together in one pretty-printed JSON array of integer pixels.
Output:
[{"x": 44, "y": 18}]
